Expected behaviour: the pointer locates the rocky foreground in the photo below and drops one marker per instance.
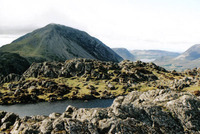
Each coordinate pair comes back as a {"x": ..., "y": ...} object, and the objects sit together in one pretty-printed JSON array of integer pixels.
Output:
[{"x": 156, "y": 111}]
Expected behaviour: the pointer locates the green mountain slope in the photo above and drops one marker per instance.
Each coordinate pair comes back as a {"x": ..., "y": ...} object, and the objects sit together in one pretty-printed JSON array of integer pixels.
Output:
[
  {"x": 12, "y": 63},
  {"x": 56, "y": 42}
]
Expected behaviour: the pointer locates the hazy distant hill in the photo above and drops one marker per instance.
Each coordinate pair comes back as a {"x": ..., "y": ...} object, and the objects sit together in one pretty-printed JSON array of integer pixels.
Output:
[
  {"x": 189, "y": 59},
  {"x": 192, "y": 53},
  {"x": 124, "y": 53},
  {"x": 152, "y": 54},
  {"x": 59, "y": 43}
]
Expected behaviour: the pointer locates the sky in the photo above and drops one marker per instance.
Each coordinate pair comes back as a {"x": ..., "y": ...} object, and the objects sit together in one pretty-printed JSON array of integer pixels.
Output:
[{"x": 172, "y": 25}]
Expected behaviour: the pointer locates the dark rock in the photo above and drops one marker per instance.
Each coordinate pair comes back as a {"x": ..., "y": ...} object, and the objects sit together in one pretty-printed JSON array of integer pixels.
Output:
[
  {"x": 91, "y": 87},
  {"x": 197, "y": 92},
  {"x": 58, "y": 124},
  {"x": 93, "y": 92},
  {"x": 87, "y": 97},
  {"x": 52, "y": 97},
  {"x": 11, "y": 77},
  {"x": 27, "y": 98},
  {"x": 2, "y": 114},
  {"x": 111, "y": 87},
  {"x": 5, "y": 125},
  {"x": 9, "y": 117}
]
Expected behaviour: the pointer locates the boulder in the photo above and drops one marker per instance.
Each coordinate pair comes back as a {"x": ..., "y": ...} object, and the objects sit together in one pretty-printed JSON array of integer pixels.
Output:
[
  {"x": 10, "y": 117},
  {"x": 58, "y": 124},
  {"x": 46, "y": 126}
]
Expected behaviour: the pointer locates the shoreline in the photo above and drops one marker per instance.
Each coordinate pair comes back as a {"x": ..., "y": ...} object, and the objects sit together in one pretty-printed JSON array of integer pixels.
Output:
[{"x": 138, "y": 112}]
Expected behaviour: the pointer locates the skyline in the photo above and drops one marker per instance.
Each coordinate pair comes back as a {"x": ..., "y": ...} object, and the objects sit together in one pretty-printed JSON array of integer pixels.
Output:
[{"x": 132, "y": 24}]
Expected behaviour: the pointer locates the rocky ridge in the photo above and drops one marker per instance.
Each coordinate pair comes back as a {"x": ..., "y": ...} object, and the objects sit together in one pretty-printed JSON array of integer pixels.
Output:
[
  {"x": 156, "y": 111},
  {"x": 137, "y": 71},
  {"x": 76, "y": 79},
  {"x": 90, "y": 79}
]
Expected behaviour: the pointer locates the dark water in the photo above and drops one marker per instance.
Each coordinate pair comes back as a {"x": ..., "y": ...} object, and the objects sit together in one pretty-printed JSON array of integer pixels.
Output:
[{"x": 45, "y": 108}]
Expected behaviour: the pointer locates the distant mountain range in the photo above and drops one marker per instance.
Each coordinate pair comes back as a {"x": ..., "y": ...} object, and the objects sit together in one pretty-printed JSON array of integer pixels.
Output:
[
  {"x": 189, "y": 59},
  {"x": 169, "y": 60},
  {"x": 56, "y": 42},
  {"x": 124, "y": 53},
  {"x": 192, "y": 53},
  {"x": 151, "y": 55}
]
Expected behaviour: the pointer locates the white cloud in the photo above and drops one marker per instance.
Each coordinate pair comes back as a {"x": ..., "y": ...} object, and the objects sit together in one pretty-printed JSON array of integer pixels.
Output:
[{"x": 170, "y": 25}]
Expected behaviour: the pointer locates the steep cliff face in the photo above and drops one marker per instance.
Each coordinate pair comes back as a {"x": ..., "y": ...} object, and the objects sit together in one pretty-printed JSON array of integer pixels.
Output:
[
  {"x": 156, "y": 111},
  {"x": 56, "y": 42}
]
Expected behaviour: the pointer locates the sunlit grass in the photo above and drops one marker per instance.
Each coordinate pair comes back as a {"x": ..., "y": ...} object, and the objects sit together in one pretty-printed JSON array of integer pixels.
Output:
[{"x": 192, "y": 88}]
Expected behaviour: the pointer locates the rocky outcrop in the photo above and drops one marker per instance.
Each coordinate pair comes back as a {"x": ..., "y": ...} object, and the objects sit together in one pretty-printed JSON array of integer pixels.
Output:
[
  {"x": 48, "y": 81},
  {"x": 126, "y": 70},
  {"x": 10, "y": 77},
  {"x": 89, "y": 79},
  {"x": 51, "y": 81},
  {"x": 155, "y": 111}
]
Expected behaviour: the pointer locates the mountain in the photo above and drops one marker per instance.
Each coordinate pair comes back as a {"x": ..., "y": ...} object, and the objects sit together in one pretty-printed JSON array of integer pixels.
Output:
[
  {"x": 12, "y": 63},
  {"x": 187, "y": 60},
  {"x": 151, "y": 55},
  {"x": 124, "y": 53},
  {"x": 192, "y": 53},
  {"x": 56, "y": 42}
]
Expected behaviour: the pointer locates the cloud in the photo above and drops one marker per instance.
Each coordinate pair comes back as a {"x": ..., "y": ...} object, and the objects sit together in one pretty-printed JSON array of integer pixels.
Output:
[
  {"x": 6, "y": 39},
  {"x": 135, "y": 24},
  {"x": 6, "y": 30}
]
